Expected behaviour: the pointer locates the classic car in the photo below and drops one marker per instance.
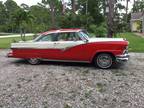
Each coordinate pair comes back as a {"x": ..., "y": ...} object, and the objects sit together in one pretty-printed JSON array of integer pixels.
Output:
[{"x": 72, "y": 45}]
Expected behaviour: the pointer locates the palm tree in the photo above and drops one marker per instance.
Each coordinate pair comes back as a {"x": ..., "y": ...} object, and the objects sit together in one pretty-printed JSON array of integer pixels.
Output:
[{"x": 22, "y": 19}]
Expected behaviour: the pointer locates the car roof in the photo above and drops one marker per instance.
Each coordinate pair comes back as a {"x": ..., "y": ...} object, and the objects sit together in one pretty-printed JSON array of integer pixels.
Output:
[{"x": 61, "y": 31}]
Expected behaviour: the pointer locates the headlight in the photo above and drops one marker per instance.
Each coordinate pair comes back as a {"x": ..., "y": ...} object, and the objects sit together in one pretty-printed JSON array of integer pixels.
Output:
[{"x": 125, "y": 50}]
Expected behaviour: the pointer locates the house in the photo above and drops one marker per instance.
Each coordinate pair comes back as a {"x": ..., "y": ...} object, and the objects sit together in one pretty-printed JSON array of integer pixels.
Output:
[{"x": 137, "y": 22}]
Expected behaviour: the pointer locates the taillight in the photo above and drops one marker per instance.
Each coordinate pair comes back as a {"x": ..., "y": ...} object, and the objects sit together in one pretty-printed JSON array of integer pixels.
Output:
[
  {"x": 11, "y": 51},
  {"x": 10, "y": 54}
]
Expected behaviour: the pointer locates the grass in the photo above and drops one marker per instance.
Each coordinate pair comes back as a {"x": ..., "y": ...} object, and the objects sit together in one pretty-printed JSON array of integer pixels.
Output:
[
  {"x": 5, "y": 42},
  {"x": 136, "y": 43}
]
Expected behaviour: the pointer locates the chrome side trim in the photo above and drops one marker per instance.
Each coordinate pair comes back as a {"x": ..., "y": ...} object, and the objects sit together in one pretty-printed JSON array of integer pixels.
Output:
[{"x": 65, "y": 60}]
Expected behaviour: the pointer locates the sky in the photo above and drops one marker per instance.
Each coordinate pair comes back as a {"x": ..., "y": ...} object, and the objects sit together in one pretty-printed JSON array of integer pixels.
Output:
[{"x": 34, "y": 2}]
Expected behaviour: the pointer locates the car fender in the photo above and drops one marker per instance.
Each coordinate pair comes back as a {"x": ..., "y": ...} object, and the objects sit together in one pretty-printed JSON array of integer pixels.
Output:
[{"x": 113, "y": 52}]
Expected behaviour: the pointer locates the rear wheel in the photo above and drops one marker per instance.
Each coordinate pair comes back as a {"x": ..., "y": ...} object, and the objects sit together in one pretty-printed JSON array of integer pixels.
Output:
[
  {"x": 33, "y": 61},
  {"x": 104, "y": 60}
]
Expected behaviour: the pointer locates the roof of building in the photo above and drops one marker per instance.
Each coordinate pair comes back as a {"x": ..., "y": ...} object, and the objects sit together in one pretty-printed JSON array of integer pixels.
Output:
[
  {"x": 61, "y": 31},
  {"x": 137, "y": 15}
]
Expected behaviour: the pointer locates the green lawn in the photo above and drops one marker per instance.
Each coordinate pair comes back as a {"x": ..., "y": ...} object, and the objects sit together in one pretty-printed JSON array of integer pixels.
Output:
[
  {"x": 136, "y": 43},
  {"x": 5, "y": 42}
]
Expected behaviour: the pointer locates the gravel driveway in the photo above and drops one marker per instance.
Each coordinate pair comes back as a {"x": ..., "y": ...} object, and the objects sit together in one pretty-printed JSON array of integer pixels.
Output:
[{"x": 71, "y": 85}]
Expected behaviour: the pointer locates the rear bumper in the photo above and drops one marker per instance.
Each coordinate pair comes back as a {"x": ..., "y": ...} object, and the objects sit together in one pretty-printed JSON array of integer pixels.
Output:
[
  {"x": 122, "y": 58},
  {"x": 10, "y": 53}
]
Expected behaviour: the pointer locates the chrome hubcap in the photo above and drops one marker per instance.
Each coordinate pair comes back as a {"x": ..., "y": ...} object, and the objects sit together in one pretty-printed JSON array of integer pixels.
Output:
[
  {"x": 104, "y": 61},
  {"x": 33, "y": 61}
]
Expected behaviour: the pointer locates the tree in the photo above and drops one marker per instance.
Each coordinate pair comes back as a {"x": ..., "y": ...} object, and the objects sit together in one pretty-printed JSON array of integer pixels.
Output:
[
  {"x": 3, "y": 16},
  {"x": 11, "y": 8},
  {"x": 93, "y": 8},
  {"x": 73, "y": 2},
  {"x": 22, "y": 18},
  {"x": 110, "y": 20},
  {"x": 42, "y": 18},
  {"x": 89, "y": 14},
  {"x": 134, "y": 4},
  {"x": 127, "y": 5},
  {"x": 52, "y": 6},
  {"x": 119, "y": 18},
  {"x": 138, "y": 6}
]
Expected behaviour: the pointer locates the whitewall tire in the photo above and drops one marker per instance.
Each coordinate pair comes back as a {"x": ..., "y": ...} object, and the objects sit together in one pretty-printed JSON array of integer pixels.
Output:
[{"x": 104, "y": 60}]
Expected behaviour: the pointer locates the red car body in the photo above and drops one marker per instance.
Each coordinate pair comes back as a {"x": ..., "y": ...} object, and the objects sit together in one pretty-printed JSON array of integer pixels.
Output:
[{"x": 82, "y": 49}]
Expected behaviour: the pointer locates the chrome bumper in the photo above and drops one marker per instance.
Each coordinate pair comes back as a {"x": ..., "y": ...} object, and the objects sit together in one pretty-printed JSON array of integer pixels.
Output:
[
  {"x": 9, "y": 55},
  {"x": 122, "y": 58}
]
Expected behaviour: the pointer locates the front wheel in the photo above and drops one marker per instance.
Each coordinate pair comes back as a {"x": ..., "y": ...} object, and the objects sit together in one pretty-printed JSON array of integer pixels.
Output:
[
  {"x": 104, "y": 60},
  {"x": 33, "y": 61}
]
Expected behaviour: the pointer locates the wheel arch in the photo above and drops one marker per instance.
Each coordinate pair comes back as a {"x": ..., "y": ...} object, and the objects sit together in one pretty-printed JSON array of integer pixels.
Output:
[{"x": 97, "y": 53}]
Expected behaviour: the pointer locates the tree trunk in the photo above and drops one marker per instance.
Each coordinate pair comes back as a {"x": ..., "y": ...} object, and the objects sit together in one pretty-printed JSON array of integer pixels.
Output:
[
  {"x": 53, "y": 25},
  {"x": 64, "y": 7},
  {"x": 111, "y": 18},
  {"x": 24, "y": 39},
  {"x": 127, "y": 1},
  {"x": 104, "y": 7},
  {"x": 73, "y": 6},
  {"x": 52, "y": 7},
  {"x": 134, "y": 6},
  {"x": 21, "y": 33}
]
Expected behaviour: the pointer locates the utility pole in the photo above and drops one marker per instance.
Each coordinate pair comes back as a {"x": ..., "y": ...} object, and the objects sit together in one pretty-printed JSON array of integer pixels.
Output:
[{"x": 110, "y": 17}]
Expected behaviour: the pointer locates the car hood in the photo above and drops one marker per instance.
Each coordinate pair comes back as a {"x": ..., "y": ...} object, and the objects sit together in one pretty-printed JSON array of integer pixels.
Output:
[{"x": 105, "y": 39}]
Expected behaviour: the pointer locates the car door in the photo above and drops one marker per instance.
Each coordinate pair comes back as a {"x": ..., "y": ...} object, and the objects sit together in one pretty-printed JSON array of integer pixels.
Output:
[
  {"x": 69, "y": 46},
  {"x": 46, "y": 46}
]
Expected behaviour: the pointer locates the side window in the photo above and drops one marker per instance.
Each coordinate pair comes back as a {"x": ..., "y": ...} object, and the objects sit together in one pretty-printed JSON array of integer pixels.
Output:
[
  {"x": 48, "y": 37},
  {"x": 62, "y": 36},
  {"x": 71, "y": 36}
]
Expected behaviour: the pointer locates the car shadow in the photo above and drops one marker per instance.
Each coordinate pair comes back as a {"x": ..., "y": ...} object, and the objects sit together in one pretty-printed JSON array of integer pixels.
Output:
[
  {"x": 74, "y": 64},
  {"x": 24, "y": 62}
]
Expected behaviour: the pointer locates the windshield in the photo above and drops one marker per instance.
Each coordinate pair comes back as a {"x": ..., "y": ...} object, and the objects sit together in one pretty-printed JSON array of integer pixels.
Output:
[{"x": 83, "y": 35}]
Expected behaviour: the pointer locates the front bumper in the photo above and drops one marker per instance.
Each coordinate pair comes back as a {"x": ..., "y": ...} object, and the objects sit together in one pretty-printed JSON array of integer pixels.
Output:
[{"x": 122, "y": 58}]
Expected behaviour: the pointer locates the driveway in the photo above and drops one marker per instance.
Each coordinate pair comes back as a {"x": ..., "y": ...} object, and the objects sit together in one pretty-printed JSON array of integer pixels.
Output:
[{"x": 71, "y": 85}]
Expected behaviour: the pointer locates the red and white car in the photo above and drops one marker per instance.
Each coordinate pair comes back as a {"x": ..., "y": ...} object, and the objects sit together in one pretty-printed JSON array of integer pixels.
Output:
[{"x": 71, "y": 45}]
